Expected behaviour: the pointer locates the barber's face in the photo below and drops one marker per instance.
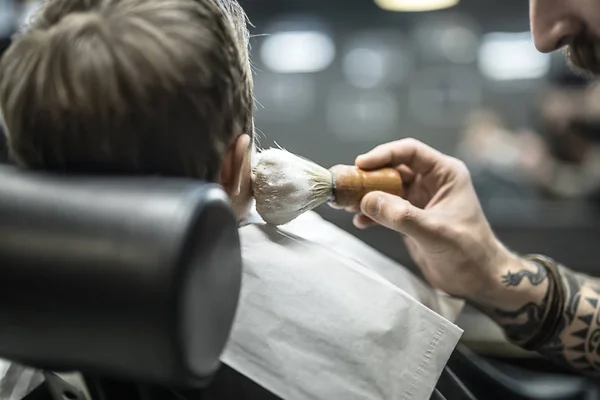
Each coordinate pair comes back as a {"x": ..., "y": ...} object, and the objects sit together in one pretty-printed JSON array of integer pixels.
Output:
[{"x": 573, "y": 24}]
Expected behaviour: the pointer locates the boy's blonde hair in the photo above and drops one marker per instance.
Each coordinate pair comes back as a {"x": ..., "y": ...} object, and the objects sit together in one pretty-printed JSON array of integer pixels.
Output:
[{"x": 128, "y": 87}]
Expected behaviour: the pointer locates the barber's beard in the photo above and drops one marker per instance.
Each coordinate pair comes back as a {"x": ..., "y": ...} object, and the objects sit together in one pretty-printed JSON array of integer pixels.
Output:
[{"x": 584, "y": 55}]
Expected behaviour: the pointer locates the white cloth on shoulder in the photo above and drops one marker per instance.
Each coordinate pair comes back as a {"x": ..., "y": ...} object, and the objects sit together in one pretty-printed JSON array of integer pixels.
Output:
[{"x": 323, "y": 316}]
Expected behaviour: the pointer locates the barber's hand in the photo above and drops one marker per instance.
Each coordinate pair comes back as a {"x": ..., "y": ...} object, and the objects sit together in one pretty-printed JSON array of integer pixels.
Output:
[{"x": 445, "y": 229}]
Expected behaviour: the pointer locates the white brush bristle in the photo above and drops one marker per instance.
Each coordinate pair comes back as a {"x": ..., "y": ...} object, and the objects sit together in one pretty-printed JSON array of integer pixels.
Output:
[{"x": 285, "y": 185}]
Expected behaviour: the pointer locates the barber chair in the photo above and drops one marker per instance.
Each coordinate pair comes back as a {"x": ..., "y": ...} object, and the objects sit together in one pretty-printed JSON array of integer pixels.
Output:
[
  {"x": 133, "y": 279},
  {"x": 132, "y": 282}
]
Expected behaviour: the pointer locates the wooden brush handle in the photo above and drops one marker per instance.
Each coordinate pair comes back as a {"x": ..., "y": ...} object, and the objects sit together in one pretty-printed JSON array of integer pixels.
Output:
[{"x": 351, "y": 184}]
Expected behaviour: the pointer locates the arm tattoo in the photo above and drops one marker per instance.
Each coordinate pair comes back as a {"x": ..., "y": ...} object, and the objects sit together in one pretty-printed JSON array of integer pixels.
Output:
[
  {"x": 526, "y": 321},
  {"x": 535, "y": 278},
  {"x": 523, "y": 323},
  {"x": 576, "y": 343}
]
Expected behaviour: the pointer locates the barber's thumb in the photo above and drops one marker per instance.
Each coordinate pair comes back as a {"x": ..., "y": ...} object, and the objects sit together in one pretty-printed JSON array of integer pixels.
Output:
[{"x": 395, "y": 213}]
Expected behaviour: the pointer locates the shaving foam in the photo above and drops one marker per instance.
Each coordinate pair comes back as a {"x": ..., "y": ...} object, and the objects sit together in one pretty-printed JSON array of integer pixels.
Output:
[{"x": 286, "y": 185}]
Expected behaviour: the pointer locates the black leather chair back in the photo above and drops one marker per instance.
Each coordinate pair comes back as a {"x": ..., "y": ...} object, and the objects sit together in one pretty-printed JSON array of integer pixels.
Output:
[{"x": 126, "y": 277}]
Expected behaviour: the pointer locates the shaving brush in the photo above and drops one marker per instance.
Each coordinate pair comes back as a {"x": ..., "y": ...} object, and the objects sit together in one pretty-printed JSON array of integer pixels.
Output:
[{"x": 286, "y": 185}]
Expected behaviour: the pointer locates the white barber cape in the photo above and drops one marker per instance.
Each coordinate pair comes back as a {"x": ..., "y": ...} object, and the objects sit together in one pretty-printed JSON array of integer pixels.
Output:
[{"x": 323, "y": 316}]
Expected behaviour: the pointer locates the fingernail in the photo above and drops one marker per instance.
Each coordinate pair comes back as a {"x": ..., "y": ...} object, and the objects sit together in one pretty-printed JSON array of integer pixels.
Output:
[
  {"x": 334, "y": 206},
  {"x": 373, "y": 207}
]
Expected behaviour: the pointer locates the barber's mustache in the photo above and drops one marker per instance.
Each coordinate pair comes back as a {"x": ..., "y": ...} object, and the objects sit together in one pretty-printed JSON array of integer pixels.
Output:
[
  {"x": 584, "y": 55},
  {"x": 588, "y": 127}
]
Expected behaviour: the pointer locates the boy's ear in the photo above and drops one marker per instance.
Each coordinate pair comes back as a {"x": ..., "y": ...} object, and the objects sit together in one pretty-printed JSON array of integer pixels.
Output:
[{"x": 233, "y": 164}]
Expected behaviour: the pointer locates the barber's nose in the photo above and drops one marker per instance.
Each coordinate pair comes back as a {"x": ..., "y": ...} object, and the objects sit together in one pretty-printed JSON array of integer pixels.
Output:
[{"x": 553, "y": 25}]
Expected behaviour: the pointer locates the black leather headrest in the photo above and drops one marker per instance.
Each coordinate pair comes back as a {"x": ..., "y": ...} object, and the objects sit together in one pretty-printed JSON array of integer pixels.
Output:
[{"x": 129, "y": 277}]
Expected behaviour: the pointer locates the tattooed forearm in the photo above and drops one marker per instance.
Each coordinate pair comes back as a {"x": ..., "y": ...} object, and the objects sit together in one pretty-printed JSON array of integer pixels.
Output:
[
  {"x": 555, "y": 349},
  {"x": 535, "y": 278},
  {"x": 576, "y": 342},
  {"x": 524, "y": 322}
]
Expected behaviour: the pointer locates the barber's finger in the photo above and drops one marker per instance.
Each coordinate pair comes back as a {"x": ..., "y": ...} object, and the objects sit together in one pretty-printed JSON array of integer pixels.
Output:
[
  {"x": 419, "y": 157},
  {"x": 361, "y": 221},
  {"x": 396, "y": 213},
  {"x": 407, "y": 174},
  {"x": 352, "y": 210},
  {"x": 334, "y": 206}
]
